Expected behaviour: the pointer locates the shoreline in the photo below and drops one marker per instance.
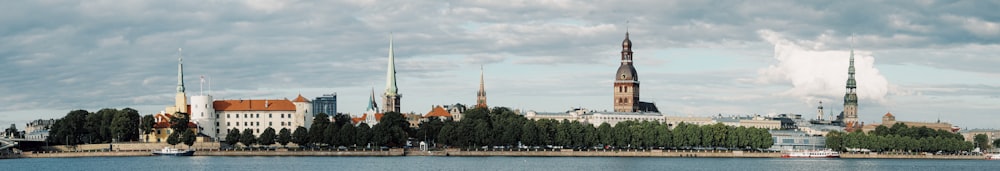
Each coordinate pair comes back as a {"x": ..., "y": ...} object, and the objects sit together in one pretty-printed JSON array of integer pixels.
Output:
[{"x": 398, "y": 152}]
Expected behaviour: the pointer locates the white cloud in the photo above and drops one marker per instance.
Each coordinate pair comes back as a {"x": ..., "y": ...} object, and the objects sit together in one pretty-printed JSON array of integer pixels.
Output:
[{"x": 821, "y": 74}]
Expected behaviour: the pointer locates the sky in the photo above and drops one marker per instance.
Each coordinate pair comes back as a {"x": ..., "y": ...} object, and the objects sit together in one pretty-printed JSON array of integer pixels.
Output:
[{"x": 921, "y": 60}]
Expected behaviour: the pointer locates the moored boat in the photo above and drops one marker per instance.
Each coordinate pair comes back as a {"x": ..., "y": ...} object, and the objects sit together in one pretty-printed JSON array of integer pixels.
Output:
[
  {"x": 811, "y": 154},
  {"x": 167, "y": 151},
  {"x": 995, "y": 156}
]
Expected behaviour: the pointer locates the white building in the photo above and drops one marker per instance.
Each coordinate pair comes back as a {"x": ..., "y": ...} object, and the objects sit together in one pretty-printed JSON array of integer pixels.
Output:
[
  {"x": 219, "y": 116},
  {"x": 612, "y": 118}
]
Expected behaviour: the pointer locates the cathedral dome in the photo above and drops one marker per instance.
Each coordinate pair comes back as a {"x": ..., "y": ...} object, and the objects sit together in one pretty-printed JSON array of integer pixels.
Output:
[{"x": 626, "y": 72}]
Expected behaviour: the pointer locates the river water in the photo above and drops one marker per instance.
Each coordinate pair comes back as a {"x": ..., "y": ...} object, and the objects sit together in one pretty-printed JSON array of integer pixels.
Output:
[{"x": 156, "y": 163}]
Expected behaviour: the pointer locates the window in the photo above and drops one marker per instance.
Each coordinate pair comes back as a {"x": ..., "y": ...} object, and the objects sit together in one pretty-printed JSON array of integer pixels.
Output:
[
  {"x": 269, "y": 115},
  {"x": 270, "y": 124},
  {"x": 216, "y": 124},
  {"x": 282, "y": 115},
  {"x": 227, "y": 115},
  {"x": 258, "y": 115},
  {"x": 258, "y": 124},
  {"x": 227, "y": 123}
]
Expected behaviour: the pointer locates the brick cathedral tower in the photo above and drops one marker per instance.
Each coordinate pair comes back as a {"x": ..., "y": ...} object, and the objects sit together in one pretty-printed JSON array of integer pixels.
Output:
[{"x": 626, "y": 81}]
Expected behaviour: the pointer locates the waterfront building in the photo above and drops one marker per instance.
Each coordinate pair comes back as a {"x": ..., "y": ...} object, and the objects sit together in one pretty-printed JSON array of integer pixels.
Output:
[
  {"x": 597, "y": 118},
  {"x": 850, "y": 114},
  {"x": 481, "y": 95},
  {"x": 391, "y": 100},
  {"x": 38, "y": 129},
  {"x": 325, "y": 104},
  {"x": 991, "y": 134},
  {"x": 749, "y": 122},
  {"x": 260, "y": 114},
  {"x": 787, "y": 140},
  {"x": 888, "y": 120}
]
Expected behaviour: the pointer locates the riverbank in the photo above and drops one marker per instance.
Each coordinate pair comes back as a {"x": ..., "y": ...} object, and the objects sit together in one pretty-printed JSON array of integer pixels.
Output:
[{"x": 483, "y": 153}]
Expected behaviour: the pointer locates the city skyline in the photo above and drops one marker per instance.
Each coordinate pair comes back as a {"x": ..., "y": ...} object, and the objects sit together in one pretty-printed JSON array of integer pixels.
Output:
[{"x": 920, "y": 61}]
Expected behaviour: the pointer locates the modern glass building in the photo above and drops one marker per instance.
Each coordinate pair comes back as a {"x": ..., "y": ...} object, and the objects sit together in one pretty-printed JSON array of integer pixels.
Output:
[{"x": 325, "y": 104}]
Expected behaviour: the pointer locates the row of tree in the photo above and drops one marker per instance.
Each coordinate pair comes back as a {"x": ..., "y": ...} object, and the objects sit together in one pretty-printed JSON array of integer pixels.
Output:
[
  {"x": 392, "y": 130},
  {"x": 502, "y": 127},
  {"x": 104, "y": 126},
  {"x": 899, "y": 137}
]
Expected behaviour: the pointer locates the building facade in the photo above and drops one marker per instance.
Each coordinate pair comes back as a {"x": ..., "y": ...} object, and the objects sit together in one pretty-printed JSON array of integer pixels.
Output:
[
  {"x": 260, "y": 114},
  {"x": 325, "y": 104},
  {"x": 888, "y": 120}
]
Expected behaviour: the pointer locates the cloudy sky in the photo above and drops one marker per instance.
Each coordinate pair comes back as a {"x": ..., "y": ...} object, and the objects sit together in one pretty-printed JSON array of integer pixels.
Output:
[{"x": 920, "y": 60}]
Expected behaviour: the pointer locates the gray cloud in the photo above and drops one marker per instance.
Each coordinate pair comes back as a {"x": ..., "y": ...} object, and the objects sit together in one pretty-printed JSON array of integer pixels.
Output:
[{"x": 67, "y": 55}]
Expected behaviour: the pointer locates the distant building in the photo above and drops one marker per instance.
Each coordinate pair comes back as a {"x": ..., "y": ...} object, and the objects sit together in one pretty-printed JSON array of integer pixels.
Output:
[
  {"x": 371, "y": 115},
  {"x": 325, "y": 104},
  {"x": 439, "y": 113},
  {"x": 785, "y": 140},
  {"x": 260, "y": 114},
  {"x": 38, "y": 129},
  {"x": 991, "y": 134},
  {"x": 888, "y": 120},
  {"x": 749, "y": 122},
  {"x": 211, "y": 119}
]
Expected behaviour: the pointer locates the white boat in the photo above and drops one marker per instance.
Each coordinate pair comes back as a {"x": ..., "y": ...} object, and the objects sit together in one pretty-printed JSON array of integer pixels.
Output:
[
  {"x": 811, "y": 154},
  {"x": 167, "y": 151},
  {"x": 993, "y": 156}
]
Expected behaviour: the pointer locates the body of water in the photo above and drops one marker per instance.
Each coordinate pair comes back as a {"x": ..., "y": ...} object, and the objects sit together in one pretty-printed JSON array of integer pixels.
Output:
[{"x": 167, "y": 163}]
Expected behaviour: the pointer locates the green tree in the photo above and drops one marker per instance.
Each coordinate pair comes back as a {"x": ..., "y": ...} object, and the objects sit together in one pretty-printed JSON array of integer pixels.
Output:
[
  {"x": 267, "y": 137},
  {"x": 147, "y": 124},
  {"x": 232, "y": 137},
  {"x": 317, "y": 131},
  {"x": 331, "y": 135},
  {"x": 605, "y": 134},
  {"x": 664, "y": 137},
  {"x": 247, "y": 138},
  {"x": 363, "y": 135},
  {"x": 529, "y": 134},
  {"x": 391, "y": 130},
  {"x": 834, "y": 141},
  {"x": 346, "y": 135},
  {"x": 981, "y": 141},
  {"x": 341, "y": 119},
  {"x": 284, "y": 136},
  {"x": 128, "y": 129},
  {"x": 174, "y": 138},
  {"x": 996, "y": 143},
  {"x": 188, "y": 137},
  {"x": 301, "y": 136},
  {"x": 445, "y": 135}
]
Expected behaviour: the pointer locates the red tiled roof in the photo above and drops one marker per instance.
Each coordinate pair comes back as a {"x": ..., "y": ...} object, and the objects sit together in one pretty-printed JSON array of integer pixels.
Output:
[
  {"x": 888, "y": 114},
  {"x": 254, "y": 105},
  {"x": 165, "y": 121},
  {"x": 437, "y": 111},
  {"x": 378, "y": 116},
  {"x": 300, "y": 99}
]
